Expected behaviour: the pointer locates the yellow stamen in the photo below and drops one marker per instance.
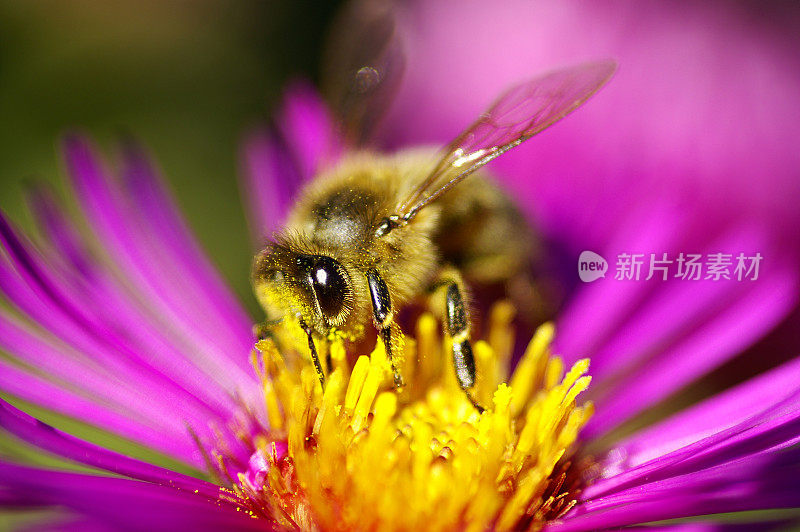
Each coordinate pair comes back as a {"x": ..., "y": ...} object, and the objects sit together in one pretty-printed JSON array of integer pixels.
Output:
[{"x": 363, "y": 456}]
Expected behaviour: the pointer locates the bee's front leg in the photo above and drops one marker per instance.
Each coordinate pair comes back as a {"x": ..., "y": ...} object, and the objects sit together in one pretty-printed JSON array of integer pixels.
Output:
[
  {"x": 383, "y": 316},
  {"x": 456, "y": 326}
]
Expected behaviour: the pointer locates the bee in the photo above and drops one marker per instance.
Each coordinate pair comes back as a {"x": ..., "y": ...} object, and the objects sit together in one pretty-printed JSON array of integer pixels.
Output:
[{"x": 379, "y": 231}]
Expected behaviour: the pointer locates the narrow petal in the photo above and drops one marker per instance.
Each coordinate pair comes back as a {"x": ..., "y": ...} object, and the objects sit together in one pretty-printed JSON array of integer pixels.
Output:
[
  {"x": 308, "y": 129},
  {"x": 41, "y": 283},
  {"x": 714, "y": 415},
  {"x": 61, "y": 363},
  {"x": 49, "y": 439},
  {"x": 101, "y": 290},
  {"x": 152, "y": 274},
  {"x": 645, "y": 336},
  {"x": 598, "y": 310},
  {"x": 776, "y": 427},
  {"x": 174, "y": 441},
  {"x": 749, "y": 462},
  {"x": 119, "y": 348},
  {"x": 164, "y": 224},
  {"x": 127, "y": 504},
  {"x": 11, "y": 500},
  {"x": 767, "y": 482},
  {"x": 277, "y": 162},
  {"x": 57, "y": 230},
  {"x": 270, "y": 182},
  {"x": 71, "y": 523},
  {"x": 725, "y": 335}
]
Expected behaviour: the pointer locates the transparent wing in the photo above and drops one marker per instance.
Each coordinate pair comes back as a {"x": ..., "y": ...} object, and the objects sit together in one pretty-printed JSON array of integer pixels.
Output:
[
  {"x": 520, "y": 113},
  {"x": 363, "y": 66}
]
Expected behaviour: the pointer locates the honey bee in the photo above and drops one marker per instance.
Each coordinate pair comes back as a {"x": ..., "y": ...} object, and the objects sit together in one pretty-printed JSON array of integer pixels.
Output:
[{"x": 378, "y": 231}]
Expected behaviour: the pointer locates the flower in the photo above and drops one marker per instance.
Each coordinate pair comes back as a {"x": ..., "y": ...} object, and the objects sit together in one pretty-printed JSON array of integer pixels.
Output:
[
  {"x": 131, "y": 330},
  {"x": 424, "y": 441}
]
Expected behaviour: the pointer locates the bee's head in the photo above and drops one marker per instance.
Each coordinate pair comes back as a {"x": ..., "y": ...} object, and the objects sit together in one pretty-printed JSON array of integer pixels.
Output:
[{"x": 314, "y": 286}]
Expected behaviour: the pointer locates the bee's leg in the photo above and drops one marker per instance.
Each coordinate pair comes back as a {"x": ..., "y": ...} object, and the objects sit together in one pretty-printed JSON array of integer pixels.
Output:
[
  {"x": 383, "y": 315},
  {"x": 314, "y": 355},
  {"x": 456, "y": 325}
]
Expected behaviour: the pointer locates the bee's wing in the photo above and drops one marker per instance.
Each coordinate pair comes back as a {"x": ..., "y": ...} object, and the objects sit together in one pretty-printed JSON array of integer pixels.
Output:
[
  {"x": 520, "y": 113},
  {"x": 363, "y": 67}
]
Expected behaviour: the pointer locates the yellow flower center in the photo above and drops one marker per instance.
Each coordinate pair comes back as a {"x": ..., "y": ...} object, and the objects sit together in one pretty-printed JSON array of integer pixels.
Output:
[{"x": 364, "y": 456}]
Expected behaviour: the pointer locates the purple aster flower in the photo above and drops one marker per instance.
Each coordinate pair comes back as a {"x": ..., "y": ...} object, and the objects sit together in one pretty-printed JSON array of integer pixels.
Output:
[{"x": 129, "y": 328}]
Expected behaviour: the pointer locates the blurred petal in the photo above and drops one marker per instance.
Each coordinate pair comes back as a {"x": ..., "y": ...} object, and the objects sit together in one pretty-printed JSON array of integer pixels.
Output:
[
  {"x": 702, "y": 105},
  {"x": 714, "y": 415},
  {"x": 765, "y": 482},
  {"x": 270, "y": 182},
  {"x": 65, "y": 383},
  {"x": 277, "y": 162},
  {"x": 731, "y": 453},
  {"x": 76, "y": 315},
  {"x": 690, "y": 148},
  {"x": 100, "y": 290},
  {"x": 147, "y": 344},
  {"x": 127, "y": 504},
  {"x": 173, "y": 440},
  {"x": 777, "y": 427},
  {"x": 647, "y": 339},
  {"x": 127, "y": 237},
  {"x": 168, "y": 233},
  {"x": 66, "y": 523},
  {"x": 49, "y": 439},
  {"x": 308, "y": 129}
]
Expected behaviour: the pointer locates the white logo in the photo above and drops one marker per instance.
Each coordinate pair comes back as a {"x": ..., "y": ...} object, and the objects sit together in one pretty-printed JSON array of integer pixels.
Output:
[{"x": 591, "y": 266}]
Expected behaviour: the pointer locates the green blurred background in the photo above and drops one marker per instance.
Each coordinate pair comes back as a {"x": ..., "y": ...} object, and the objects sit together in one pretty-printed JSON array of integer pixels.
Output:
[{"x": 187, "y": 78}]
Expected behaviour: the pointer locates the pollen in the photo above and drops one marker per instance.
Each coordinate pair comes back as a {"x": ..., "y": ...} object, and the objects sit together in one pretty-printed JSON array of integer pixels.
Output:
[{"x": 362, "y": 455}]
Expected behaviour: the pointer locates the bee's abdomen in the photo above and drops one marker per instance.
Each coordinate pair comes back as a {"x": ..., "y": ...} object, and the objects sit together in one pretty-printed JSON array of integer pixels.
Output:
[{"x": 483, "y": 233}]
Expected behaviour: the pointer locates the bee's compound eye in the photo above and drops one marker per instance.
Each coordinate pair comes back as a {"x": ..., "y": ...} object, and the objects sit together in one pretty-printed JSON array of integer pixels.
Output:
[{"x": 330, "y": 286}]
